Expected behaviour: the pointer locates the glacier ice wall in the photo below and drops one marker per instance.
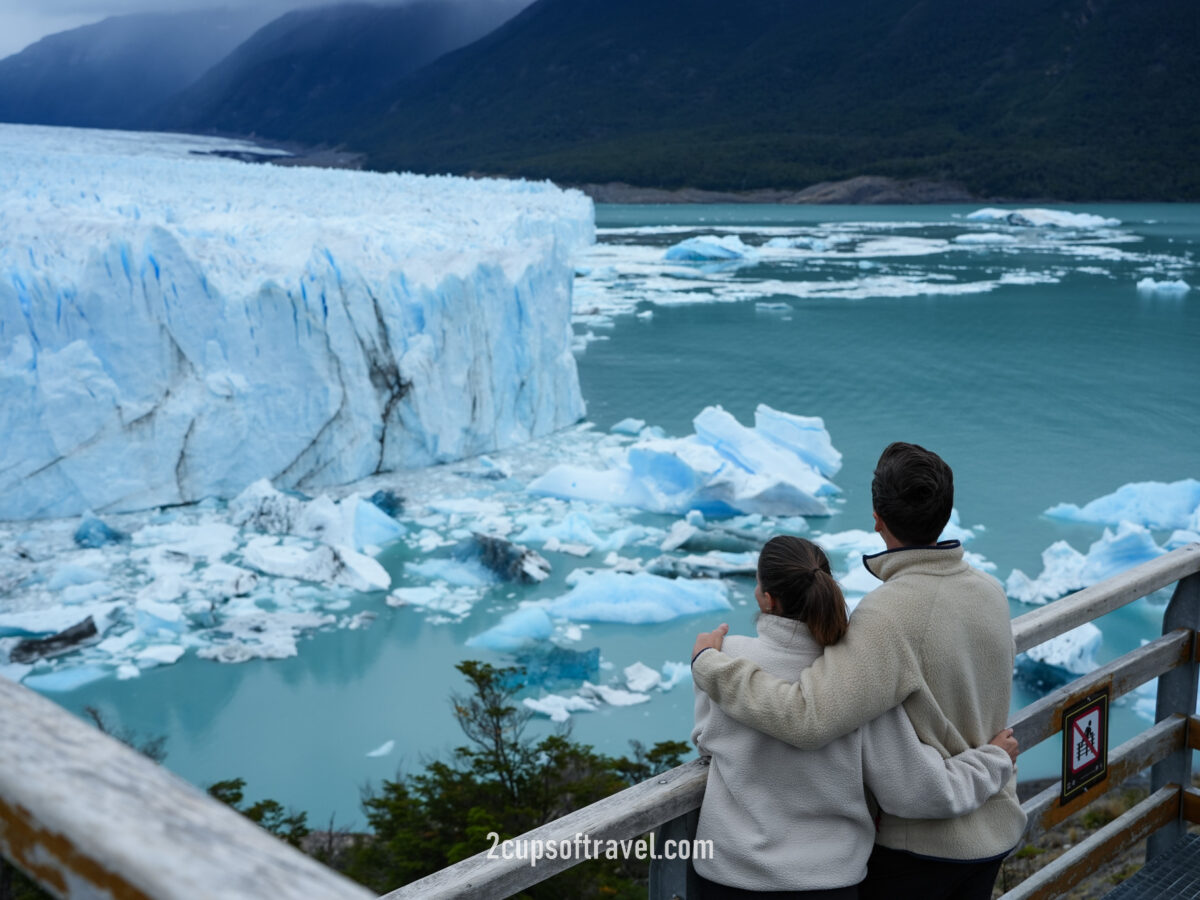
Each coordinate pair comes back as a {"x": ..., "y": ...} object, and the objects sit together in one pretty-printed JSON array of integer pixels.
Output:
[{"x": 175, "y": 328}]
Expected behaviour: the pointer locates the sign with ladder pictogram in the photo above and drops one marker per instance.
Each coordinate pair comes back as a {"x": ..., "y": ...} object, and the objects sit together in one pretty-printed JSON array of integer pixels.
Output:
[{"x": 1085, "y": 744}]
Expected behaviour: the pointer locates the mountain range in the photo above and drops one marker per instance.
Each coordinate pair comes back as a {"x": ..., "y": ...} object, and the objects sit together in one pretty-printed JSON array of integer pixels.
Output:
[{"x": 1062, "y": 99}]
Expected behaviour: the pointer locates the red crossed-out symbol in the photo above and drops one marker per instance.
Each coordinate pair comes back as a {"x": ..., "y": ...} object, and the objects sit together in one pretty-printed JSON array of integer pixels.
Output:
[{"x": 1086, "y": 738}]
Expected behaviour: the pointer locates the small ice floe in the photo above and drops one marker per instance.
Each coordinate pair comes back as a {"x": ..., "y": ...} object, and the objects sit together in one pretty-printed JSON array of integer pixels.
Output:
[
  {"x": 516, "y": 630},
  {"x": 638, "y": 599},
  {"x": 383, "y": 749},
  {"x": 1065, "y": 569},
  {"x": 1043, "y": 218},
  {"x": 1154, "y": 504},
  {"x": 985, "y": 238},
  {"x": 559, "y": 707},
  {"x": 715, "y": 564},
  {"x": 799, "y": 242},
  {"x": 447, "y": 603},
  {"x": 29, "y": 650},
  {"x": 93, "y": 533},
  {"x": 640, "y": 678},
  {"x": 673, "y": 673},
  {"x": 612, "y": 696},
  {"x": 1176, "y": 288},
  {"x": 1074, "y": 651},
  {"x": 323, "y": 564},
  {"x": 353, "y": 521},
  {"x": 508, "y": 561},
  {"x": 630, "y": 426},
  {"x": 259, "y": 635},
  {"x": 709, "y": 248},
  {"x": 767, "y": 306}
]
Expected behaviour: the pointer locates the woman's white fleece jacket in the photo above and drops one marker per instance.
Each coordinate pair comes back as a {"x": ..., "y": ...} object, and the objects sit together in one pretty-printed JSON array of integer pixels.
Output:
[
  {"x": 781, "y": 818},
  {"x": 935, "y": 637}
]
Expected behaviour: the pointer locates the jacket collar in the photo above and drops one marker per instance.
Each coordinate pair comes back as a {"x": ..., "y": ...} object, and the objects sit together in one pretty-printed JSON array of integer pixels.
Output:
[
  {"x": 943, "y": 558},
  {"x": 786, "y": 633}
]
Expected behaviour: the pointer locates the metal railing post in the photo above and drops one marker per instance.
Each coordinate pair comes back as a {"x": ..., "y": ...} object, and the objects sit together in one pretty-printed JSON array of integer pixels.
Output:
[
  {"x": 674, "y": 879},
  {"x": 1177, "y": 694}
]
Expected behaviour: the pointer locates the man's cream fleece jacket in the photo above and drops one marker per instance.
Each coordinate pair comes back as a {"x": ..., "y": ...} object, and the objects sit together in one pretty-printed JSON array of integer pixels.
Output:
[{"x": 935, "y": 637}]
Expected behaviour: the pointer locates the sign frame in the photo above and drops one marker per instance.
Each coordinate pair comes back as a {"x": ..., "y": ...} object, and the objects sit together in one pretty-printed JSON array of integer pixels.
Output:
[{"x": 1085, "y": 728}]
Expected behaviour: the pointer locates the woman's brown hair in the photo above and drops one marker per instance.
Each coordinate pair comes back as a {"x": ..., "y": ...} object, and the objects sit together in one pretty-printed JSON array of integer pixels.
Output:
[{"x": 796, "y": 574}]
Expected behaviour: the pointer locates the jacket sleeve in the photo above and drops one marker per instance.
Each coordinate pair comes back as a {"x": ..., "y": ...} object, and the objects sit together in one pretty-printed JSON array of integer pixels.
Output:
[
  {"x": 873, "y": 668},
  {"x": 703, "y": 712},
  {"x": 913, "y": 781}
]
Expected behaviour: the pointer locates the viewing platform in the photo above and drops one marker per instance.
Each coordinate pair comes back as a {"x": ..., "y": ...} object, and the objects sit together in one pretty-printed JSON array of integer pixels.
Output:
[{"x": 86, "y": 816}]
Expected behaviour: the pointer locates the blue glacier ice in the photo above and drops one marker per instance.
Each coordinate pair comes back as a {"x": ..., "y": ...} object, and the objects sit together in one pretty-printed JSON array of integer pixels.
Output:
[
  {"x": 94, "y": 533},
  {"x": 1065, "y": 569},
  {"x": 723, "y": 469},
  {"x": 519, "y": 629},
  {"x": 709, "y": 247},
  {"x": 1154, "y": 504},
  {"x": 173, "y": 329},
  {"x": 636, "y": 599}
]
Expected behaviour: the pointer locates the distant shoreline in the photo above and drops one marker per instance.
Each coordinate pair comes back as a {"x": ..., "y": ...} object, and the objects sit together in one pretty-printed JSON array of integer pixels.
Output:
[{"x": 860, "y": 190}]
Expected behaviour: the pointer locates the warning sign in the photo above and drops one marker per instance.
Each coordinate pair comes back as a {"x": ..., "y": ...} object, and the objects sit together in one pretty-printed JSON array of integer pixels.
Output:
[{"x": 1085, "y": 744}]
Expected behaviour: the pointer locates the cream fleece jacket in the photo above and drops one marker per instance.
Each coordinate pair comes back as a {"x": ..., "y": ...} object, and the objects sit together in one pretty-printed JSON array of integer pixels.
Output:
[
  {"x": 934, "y": 637},
  {"x": 781, "y": 818}
]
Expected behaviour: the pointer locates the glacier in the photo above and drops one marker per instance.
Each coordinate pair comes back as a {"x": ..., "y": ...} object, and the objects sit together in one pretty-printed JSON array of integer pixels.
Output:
[{"x": 173, "y": 329}]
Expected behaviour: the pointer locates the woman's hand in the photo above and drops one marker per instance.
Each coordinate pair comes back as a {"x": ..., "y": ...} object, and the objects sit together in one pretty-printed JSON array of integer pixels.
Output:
[
  {"x": 709, "y": 640},
  {"x": 1006, "y": 742}
]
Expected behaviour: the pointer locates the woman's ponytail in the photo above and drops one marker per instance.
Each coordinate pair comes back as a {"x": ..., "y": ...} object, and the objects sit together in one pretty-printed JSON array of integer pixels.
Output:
[{"x": 796, "y": 573}]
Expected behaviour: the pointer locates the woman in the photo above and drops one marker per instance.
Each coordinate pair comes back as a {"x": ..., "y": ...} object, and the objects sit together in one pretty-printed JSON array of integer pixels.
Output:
[{"x": 799, "y": 821}]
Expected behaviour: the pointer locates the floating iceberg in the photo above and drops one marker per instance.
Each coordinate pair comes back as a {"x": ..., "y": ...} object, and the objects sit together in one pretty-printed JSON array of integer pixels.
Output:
[
  {"x": 1065, "y": 569},
  {"x": 1043, "y": 218},
  {"x": 174, "y": 329},
  {"x": 383, "y": 749},
  {"x": 723, "y": 469},
  {"x": 1074, "y": 651},
  {"x": 516, "y": 630},
  {"x": 640, "y": 678},
  {"x": 635, "y": 599},
  {"x": 1154, "y": 504},
  {"x": 1176, "y": 288},
  {"x": 558, "y": 707},
  {"x": 709, "y": 248}
]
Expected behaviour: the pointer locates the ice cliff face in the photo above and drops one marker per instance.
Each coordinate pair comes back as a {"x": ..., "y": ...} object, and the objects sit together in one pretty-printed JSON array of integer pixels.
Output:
[{"x": 173, "y": 328}]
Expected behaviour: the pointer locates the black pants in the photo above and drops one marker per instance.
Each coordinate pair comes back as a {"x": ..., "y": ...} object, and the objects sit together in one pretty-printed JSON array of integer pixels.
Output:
[
  {"x": 894, "y": 874},
  {"x": 710, "y": 890}
]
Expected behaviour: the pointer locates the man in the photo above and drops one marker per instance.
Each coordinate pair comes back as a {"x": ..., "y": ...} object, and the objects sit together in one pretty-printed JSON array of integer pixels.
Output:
[{"x": 935, "y": 636}]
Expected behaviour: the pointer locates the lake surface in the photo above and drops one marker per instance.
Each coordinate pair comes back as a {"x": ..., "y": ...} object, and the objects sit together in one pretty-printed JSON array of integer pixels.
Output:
[{"x": 1026, "y": 356}]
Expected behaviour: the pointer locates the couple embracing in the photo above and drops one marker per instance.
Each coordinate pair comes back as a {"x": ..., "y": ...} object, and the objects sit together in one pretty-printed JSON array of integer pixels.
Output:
[{"x": 864, "y": 758}]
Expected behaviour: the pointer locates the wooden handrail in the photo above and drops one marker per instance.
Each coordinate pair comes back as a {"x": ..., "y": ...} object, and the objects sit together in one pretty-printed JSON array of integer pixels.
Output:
[
  {"x": 87, "y": 816},
  {"x": 1054, "y": 879},
  {"x": 78, "y": 809},
  {"x": 1071, "y": 611},
  {"x": 1043, "y": 718},
  {"x": 628, "y": 814}
]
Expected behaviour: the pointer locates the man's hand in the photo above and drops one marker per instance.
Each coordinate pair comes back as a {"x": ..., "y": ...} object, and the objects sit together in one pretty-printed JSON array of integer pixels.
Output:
[
  {"x": 1006, "y": 742},
  {"x": 711, "y": 639}
]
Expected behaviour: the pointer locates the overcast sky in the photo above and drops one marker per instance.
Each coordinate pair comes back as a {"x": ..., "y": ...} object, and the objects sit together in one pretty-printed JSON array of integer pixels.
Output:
[{"x": 24, "y": 21}]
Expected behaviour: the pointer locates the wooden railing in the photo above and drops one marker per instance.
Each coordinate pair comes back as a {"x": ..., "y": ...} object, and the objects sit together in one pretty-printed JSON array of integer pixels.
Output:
[{"x": 88, "y": 817}]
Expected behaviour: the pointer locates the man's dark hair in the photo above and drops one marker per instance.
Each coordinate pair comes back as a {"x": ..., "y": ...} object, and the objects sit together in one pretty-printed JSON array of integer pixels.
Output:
[{"x": 913, "y": 492}]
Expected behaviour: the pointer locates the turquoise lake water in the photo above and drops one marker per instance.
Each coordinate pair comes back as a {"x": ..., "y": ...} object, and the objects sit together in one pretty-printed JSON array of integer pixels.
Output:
[{"x": 1030, "y": 361}]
